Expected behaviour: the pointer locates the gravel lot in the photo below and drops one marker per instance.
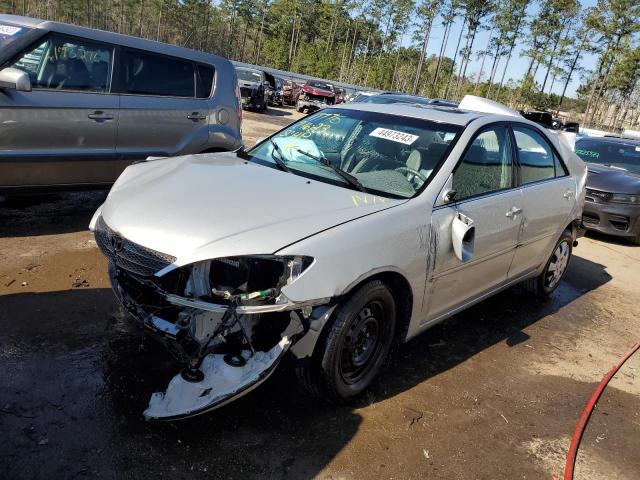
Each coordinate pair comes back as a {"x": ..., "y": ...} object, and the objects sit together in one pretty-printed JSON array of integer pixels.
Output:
[{"x": 494, "y": 392}]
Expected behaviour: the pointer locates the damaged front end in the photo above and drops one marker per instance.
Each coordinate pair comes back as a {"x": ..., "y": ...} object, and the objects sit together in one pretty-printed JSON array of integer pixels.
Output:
[{"x": 226, "y": 319}]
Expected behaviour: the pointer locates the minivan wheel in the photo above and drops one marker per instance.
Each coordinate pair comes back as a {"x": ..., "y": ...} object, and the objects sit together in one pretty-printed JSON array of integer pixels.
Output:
[
  {"x": 355, "y": 345},
  {"x": 555, "y": 268}
]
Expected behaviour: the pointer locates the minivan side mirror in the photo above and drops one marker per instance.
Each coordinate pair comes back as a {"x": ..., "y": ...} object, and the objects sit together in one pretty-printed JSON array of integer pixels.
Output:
[
  {"x": 15, "y": 79},
  {"x": 463, "y": 235}
]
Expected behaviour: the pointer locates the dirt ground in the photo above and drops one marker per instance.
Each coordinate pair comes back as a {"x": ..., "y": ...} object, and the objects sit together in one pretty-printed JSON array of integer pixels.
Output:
[{"x": 492, "y": 393}]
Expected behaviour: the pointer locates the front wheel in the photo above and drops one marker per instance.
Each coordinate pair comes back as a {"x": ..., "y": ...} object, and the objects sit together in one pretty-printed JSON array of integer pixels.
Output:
[
  {"x": 356, "y": 343},
  {"x": 555, "y": 268}
]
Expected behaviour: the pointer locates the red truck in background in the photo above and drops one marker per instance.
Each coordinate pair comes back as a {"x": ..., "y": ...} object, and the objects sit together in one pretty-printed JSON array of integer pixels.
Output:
[{"x": 291, "y": 92}]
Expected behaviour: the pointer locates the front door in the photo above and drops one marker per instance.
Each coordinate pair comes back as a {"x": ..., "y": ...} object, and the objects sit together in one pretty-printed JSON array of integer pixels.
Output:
[
  {"x": 64, "y": 130},
  {"x": 160, "y": 114},
  {"x": 487, "y": 194},
  {"x": 549, "y": 195}
]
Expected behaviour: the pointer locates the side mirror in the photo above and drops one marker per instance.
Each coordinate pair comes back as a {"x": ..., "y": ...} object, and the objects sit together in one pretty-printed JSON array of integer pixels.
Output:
[
  {"x": 15, "y": 79},
  {"x": 449, "y": 196},
  {"x": 463, "y": 235}
]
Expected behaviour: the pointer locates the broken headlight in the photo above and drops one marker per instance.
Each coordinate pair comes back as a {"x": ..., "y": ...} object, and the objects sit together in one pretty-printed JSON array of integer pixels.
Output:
[{"x": 254, "y": 279}]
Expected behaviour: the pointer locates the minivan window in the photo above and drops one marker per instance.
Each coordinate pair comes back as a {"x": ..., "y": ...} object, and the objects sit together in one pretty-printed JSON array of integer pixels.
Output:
[
  {"x": 149, "y": 74},
  {"x": 65, "y": 63},
  {"x": 535, "y": 155},
  {"x": 205, "y": 81},
  {"x": 486, "y": 165}
]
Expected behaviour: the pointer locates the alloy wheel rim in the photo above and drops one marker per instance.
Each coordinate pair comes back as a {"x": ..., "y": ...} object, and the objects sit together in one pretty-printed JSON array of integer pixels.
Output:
[{"x": 557, "y": 264}]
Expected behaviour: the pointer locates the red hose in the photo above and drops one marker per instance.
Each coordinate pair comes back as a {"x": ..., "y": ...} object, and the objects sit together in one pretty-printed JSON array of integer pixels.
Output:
[{"x": 586, "y": 413}]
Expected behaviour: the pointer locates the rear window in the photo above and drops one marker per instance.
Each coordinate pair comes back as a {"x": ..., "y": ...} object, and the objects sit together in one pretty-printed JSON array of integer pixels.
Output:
[
  {"x": 205, "y": 81},
  {"x": 148, "y": 74},
  {"x": 9, "y": 33},
  {"x": 619, "y": 154}
]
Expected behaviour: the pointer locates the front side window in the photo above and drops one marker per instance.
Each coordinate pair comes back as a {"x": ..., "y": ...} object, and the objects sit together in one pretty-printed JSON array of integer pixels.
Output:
[
  {"x": 63, "y": 63},
  {"x": 148, "y": 74},
  {"x": 486, "y": 165},
  {"x": 385, "y": 154},
  {"x": 537, "y": 160}
]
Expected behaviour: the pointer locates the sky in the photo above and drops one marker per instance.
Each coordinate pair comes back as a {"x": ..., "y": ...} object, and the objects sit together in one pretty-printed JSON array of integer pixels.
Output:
[{"x": 518, "y": 64}]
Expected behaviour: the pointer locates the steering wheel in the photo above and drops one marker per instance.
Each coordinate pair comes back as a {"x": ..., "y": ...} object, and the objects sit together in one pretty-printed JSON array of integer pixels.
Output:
[{"x": 411, "y": 174}]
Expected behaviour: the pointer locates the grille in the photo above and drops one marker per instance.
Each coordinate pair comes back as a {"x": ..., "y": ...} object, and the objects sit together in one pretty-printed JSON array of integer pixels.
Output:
[
  {"x": 597, "y": 195},
  {"x": 245, "y": 91},
  {"x": 590, "y": 219},
  {"x": 619, "y": 222},
  {"x": 128, "y": 255}
]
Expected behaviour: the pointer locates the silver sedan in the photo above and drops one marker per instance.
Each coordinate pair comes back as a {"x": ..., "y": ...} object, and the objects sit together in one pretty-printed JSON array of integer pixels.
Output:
[{"x": 351, "y": 229}]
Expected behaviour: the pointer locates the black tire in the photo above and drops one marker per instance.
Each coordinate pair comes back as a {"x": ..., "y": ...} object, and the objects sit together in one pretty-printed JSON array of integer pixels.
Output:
[
  {"x": 545, "y": 283},
  {"x": 354, "y": 345}
]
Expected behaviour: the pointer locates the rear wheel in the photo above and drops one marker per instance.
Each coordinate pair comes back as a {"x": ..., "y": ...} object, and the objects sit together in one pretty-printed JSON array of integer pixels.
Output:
[
  {"x": 355, "y": 345},
  {"x": 555, "y": 268}
]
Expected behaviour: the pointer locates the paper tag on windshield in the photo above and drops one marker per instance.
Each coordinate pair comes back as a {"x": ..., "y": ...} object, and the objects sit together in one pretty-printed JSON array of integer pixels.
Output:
[
  {"x": 9, "y": 30},
  {"x": 394, "y": 135},
  {"x": 637, "y": 149}
]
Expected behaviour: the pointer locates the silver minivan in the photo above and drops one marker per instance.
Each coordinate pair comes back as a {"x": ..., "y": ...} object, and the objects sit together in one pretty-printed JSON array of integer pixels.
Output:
[{"x": 78, "y": 105}]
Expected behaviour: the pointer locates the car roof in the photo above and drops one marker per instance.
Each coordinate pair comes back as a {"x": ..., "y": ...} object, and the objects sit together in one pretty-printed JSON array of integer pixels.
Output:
[
  {"x": 440, "y": 114},
  {"x": 404, "y": 98},
  {"x": 111, "y": 37}
]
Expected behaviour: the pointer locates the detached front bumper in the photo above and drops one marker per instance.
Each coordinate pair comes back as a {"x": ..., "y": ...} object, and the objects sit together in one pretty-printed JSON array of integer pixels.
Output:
[{"x": 619, "y": 219}]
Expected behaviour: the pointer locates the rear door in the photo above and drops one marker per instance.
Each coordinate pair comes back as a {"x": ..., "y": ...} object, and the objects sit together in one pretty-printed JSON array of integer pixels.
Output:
[
  {"x": 486, "y": 193},
  {"x": 64, "y": 130},
  {"x": 162, "y": 113},
  {"x": 549, "y": 194}
]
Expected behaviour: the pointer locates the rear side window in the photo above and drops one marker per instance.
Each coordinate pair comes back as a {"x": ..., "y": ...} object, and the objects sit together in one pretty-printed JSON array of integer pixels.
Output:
[
  {"x": 537, "y": 159},
  {"x": 205, "y": 81},
  {"x": 65, "y": 63},
  {"x": 148, "y": 74},
  {"x": 486, "y": 165}
]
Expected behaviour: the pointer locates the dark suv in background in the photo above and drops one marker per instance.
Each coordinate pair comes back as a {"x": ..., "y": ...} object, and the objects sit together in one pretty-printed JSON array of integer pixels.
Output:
[{"x": 78, "y": 105}]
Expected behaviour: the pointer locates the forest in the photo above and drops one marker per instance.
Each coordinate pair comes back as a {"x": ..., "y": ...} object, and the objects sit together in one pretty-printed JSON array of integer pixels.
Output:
[{"x": 383, "y": 44}]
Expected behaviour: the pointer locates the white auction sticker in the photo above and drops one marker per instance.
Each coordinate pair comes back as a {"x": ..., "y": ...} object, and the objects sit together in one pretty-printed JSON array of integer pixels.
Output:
[
  {"x": 394, "y": 135},
  {"x": 9, "y": 30}
]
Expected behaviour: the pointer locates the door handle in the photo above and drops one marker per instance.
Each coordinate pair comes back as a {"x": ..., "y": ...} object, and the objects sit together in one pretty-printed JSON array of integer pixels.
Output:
[
  {"x": 568, "y": 194},
  {"x": 100, "y": 115},
  {"x": 513, "y": 212},
  {"x": 196, "y": 116}
]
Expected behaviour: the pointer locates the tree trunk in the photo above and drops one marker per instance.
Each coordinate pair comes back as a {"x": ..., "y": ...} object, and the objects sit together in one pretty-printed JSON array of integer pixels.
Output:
[
  {"x": 453, "y": 64},
  {"x": 484, "y": 58},
  {"x": 423, "y": 53},
  {"x": 443, "y": 47}
]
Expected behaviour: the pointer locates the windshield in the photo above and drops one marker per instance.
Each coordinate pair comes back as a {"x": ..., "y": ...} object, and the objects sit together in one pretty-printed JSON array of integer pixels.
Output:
[
  {"x": 249, "y": 75},
  {"x": 8, "y": 33},
  {"x": 618, "y": 154},
  {"x": 321, "y": 86},
  {"x": 386, "y": 154}
]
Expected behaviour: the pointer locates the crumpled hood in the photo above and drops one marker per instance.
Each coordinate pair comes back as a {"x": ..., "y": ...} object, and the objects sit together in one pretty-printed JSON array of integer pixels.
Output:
[
  {"x": 318, "y": 91},
  {"x": 612, "y": 180},
  {"x": 212, "y": 205}
]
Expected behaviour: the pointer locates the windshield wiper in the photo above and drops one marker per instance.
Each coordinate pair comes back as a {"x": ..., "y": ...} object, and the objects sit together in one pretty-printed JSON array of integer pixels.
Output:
[
  {"x": 279, "y": 159},
  {"x": 614, "y": 166},
  {"x": 347, "y": 177}
]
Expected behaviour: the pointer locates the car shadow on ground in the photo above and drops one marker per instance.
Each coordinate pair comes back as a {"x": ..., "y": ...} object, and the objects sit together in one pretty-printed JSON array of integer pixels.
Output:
[
  {"x": 48, "y": 214},
  {"x": 78, "y": 374},
  {"x": 278, "y": 111}
]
